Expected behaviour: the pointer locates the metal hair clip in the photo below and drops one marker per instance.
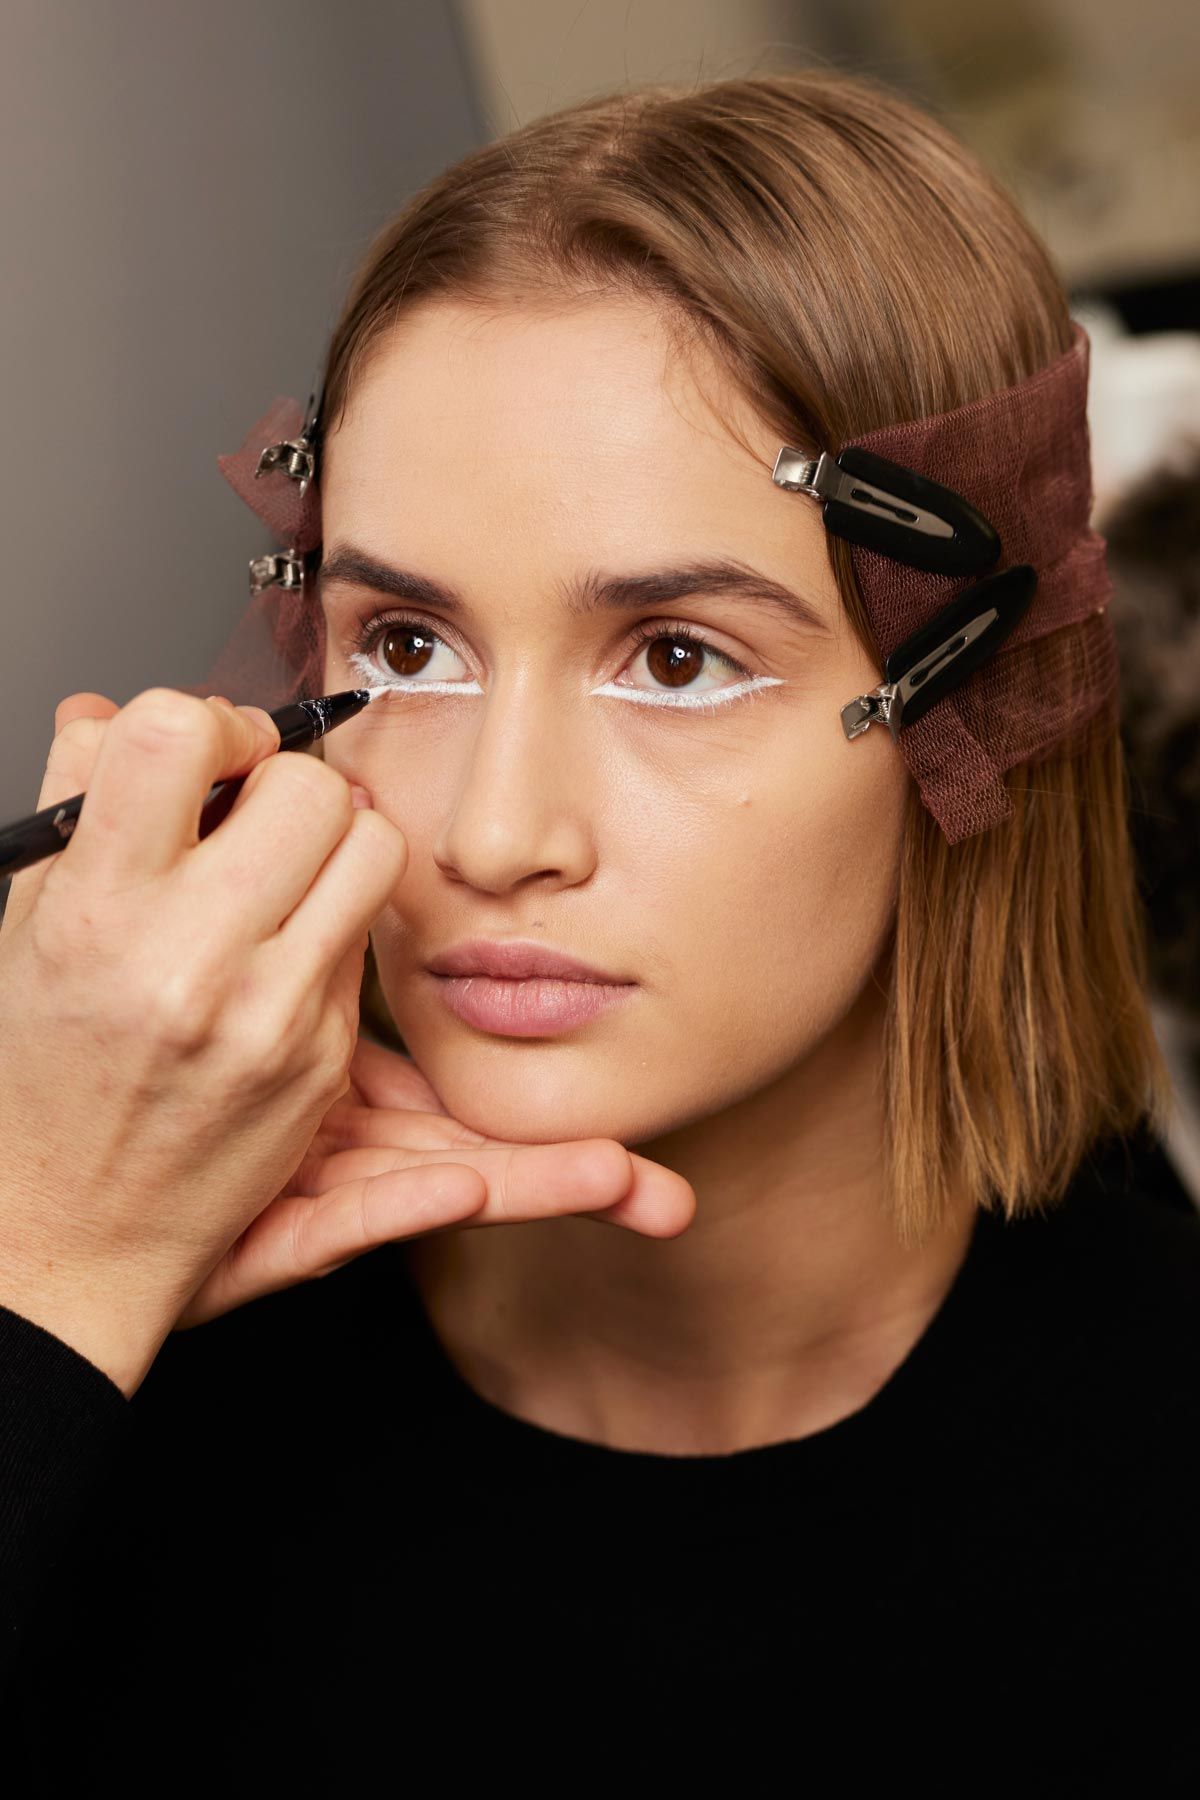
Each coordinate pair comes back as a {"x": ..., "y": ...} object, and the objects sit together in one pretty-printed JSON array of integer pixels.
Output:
[
  {"x": 294, "y": 456},
  {"x": 887, "y": 507},
  {"x": 944, "y": 652},
  {"x": 283, "y": 566},
  {"x": 297, "y": 457}
]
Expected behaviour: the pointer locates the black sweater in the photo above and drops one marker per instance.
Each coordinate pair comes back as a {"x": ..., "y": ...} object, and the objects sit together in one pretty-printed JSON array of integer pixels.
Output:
[{"x": 308, "y": 1555}]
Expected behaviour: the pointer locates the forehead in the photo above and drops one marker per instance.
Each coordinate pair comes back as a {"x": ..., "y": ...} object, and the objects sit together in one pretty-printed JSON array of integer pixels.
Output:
[{"x": 587, "y": 428}]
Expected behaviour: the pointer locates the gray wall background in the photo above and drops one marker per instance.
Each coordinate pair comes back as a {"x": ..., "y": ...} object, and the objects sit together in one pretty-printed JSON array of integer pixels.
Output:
[{"x": 184, "y": 192}]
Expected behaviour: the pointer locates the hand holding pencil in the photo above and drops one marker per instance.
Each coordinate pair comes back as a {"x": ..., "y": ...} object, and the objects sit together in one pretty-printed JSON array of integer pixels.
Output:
[{"x": 178, "y": 1026}]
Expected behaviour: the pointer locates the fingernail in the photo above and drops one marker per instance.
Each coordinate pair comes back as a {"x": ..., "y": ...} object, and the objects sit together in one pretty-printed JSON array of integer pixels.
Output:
[
  {"x": 220, "y": 700},
  {"x": 359, "y": 795}
]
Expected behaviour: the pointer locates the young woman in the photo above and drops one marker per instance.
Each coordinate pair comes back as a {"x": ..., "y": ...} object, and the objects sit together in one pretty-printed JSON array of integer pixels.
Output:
[{"x": 881, "y": 1394}]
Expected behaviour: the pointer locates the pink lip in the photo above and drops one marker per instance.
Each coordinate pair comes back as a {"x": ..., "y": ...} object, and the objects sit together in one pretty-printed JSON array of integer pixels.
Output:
[
  {"x": 516, "y": 959},
  {"x": 536, "y": 1007},
  {"x": 519, "y": 988}
]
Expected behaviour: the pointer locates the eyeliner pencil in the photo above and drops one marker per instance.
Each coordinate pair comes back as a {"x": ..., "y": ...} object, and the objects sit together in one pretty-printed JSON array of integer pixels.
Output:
[{"x": 43, "y": 833}]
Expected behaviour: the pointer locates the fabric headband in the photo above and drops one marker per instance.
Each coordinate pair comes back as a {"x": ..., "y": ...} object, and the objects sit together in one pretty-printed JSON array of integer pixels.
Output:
[{"x": 986, "y": 588}]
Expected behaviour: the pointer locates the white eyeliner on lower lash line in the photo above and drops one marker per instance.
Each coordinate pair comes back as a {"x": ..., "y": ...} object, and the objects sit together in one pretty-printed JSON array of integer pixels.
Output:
[{"x": 640, "y": 697}]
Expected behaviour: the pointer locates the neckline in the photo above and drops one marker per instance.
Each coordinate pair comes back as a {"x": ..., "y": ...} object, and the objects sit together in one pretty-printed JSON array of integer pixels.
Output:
[{"x": 458, "y": 1404}]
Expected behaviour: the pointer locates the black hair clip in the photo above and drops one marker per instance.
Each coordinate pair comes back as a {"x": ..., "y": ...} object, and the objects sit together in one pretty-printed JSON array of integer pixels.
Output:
[
  {"x": 887, "y": 507},
  {"x": 940, "y": 654}
]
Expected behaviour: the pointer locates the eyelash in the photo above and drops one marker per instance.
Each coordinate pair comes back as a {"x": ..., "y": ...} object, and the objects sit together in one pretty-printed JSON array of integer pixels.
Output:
[{"x": 374, "y": 627}]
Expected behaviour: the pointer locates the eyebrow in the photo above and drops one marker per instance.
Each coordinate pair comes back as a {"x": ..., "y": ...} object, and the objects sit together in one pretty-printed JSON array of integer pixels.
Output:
[{"x": 723, "y": 577}]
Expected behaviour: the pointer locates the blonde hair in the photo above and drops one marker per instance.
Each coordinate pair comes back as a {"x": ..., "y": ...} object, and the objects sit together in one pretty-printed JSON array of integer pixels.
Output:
[{"x": 852, "y": 265}]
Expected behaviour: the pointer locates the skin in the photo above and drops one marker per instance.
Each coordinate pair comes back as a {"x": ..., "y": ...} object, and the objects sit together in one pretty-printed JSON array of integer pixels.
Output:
[{"x": 739, "y": 863}]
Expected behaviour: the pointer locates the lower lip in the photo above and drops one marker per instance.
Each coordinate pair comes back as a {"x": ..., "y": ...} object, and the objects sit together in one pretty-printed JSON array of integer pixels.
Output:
[{"x": 535, "y": 1007}]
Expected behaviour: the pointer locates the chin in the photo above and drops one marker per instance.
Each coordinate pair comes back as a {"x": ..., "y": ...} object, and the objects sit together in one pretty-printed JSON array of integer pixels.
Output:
[{"x": 541, "y": 1092}]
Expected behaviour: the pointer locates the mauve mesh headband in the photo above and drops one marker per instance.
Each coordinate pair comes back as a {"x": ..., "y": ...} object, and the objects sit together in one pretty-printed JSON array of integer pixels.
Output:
[{"x": 986, "y": 588}]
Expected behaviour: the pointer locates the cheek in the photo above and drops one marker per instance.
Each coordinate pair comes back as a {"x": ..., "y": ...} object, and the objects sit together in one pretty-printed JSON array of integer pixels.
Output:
[
  {"x": 399, "y": 761},
  {"x": 768, "y": 905}
]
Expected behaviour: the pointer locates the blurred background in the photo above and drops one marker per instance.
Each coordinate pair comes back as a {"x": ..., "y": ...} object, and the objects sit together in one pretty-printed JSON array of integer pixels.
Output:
[{"x": 186, "y": 189}]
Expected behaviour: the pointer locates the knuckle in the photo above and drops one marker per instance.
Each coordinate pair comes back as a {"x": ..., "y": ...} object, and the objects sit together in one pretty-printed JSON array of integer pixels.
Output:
[
  {"x": 181, "y": 1008},
  {"x": 260, "y": 1029},
  {"x": 284, "y": 1038},
  {"x": 343, "y": 1030},
  {"x": 332, "y": 1085},
  {"x": 321, "y": 1046},
  {"x": 158, "y": 718},
  {"x": 264, "y": 1055},
  {"x": 313, "y": 783},
  {"x": 271, "y": 1034},
  {"x": 330, "y": 1072},
  {"x": 268, "y": 1053}
]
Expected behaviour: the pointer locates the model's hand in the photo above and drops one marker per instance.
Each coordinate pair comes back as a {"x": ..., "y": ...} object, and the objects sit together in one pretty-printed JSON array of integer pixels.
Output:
[{"x": 390, "y": 1162}]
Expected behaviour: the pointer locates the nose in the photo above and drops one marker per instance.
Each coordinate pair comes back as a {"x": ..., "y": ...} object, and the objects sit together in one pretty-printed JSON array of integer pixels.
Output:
[{"x": 521, "y": 812}]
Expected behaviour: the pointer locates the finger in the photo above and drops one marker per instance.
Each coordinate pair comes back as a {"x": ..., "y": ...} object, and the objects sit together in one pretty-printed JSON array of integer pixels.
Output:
[
  {"x": 291, "y": 815},
  {"x": 348, "y": 1125},
  {"x": 594, "y": 1177},
  {"x": 659, "y": 1202},
  {"x": 79, "y": 724},
  {"x": 84, "y": 705},
  {"x": 524, "y": 1181},
  {"x": 257, "y": 715},
  {"x": 531, "y": 1181},
  {"x": 300, "y": 1237},
  {"x": 350, "y": 890},
  {"x": 383, "y": 1077},
  {"x": 159, "y": 756},
  {"x": 307, "y": 1234}
]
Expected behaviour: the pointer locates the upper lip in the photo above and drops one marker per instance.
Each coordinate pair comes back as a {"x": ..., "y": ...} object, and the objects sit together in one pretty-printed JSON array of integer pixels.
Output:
[{"x": 515, "y": 958}]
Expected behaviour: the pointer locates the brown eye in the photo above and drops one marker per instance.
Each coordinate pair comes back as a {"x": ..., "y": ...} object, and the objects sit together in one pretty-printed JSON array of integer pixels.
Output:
[
  {"x": 679, "y": 663},
  {"x": 406, "y": 650}
]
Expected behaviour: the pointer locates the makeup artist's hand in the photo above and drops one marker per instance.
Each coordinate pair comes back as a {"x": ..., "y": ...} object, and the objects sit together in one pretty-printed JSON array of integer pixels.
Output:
[
  {"x": 178, "y": 1019},
  {"x": 177, "y": 1014},
  {"x": 378, "y": 1170}
]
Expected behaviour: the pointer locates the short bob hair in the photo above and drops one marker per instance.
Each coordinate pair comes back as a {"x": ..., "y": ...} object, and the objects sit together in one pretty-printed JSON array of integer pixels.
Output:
[{"x": 853, "y": 265}]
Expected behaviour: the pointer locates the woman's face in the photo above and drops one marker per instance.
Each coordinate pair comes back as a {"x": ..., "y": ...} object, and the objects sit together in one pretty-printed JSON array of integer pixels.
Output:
[{"x": 686, "y": 815}]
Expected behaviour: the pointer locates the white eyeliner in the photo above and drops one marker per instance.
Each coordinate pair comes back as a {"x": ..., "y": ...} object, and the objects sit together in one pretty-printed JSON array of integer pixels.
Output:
[
  {"x": 689, "y": 702},
  {"x": 640, "y": 696}
]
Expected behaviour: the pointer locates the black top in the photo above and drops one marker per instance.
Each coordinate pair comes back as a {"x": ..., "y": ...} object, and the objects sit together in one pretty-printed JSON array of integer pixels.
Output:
[{"x": 307, "y": 1553}]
